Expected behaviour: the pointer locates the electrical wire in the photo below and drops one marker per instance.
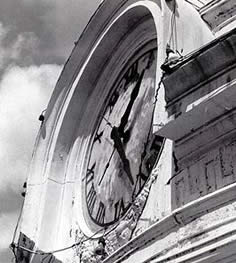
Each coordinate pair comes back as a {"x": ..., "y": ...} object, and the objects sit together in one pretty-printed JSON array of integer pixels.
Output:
[
  {"x": 172, "y": 23},
  {"x": 13, "y": 245},
  {"x": 57, "y": 250},
  {"x": 16, "y": 246},
  {"x": 173, "y": 30},
  {"x": 152, "y": 117},
  {"x": 18, "y": 222},
  {"x": 14, "y": 253}
]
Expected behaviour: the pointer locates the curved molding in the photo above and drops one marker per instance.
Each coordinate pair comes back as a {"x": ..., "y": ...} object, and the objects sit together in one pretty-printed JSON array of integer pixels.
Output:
[
  {"x": 162, "y": 241},
  {"x": 50, "y": 209},
  {"x": 219, "y": 13},
  {"x": 67, "y": 115}
]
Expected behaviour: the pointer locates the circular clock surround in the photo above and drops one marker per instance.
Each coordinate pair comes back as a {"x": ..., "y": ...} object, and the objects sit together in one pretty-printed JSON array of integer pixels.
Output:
[
  {"x": 143, "y": 45},
  {"x": 76, "y": 108},
  {"x": 118, "y": 32},
  {"x": 123, "y": 149}
]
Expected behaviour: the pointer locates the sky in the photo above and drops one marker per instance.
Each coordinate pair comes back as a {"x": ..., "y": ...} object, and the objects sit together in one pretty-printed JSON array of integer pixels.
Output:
[{"x": 36, "y": 38}]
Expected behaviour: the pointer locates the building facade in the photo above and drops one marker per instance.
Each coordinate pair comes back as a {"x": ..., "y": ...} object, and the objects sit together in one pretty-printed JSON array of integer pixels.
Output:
[{"x": 135, "y": 158}]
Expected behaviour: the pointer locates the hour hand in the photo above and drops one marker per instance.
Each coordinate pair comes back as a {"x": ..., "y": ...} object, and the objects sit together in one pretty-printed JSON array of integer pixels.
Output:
[
  {"x": 133, "y": 97},
  {"x": 119, "y": 147}
]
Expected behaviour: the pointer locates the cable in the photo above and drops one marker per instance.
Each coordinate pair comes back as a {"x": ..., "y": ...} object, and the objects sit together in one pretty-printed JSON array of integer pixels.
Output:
[
  {"x": 152, "y": 117},
  {"x": 50, "y": 253},
  {"x": 17, "y": 246},
  {"x": 172, "y": 23},
  {"x": 13, "y": 245},
  {"x": 17, "y": 224},
  {"x": 173, "y": 31}
]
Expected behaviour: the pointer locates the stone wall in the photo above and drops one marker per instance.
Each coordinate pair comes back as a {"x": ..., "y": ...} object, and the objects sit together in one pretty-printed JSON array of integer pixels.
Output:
[{"x": 205, "y": 174}]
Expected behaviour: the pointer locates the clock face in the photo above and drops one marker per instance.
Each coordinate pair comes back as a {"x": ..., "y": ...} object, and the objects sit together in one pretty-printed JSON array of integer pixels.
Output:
[{"x": 124, "y": 150}]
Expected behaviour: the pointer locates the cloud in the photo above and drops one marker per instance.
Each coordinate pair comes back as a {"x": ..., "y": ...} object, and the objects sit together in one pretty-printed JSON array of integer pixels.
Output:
[
  {"x": 8, "y": 223},
  {"x": 3, "y": 34},
  {"x": 36, "y": 37},
  {"x": 24, "y": 93},
  {"x": 17, "y": 51},
  {"x": 11, "y": 200},
  {"x": 6, "y": 255},
  {"x": 23, "y": 47},
  {"x": 56, "y": 24}
]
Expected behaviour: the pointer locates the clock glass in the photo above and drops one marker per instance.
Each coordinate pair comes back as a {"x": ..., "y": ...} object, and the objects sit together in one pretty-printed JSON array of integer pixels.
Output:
[{"x": 123, "y": 148}]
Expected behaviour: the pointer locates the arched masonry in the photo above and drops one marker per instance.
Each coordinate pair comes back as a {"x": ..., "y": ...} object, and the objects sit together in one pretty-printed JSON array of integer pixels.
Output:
[{"x": 52, "y": 217}]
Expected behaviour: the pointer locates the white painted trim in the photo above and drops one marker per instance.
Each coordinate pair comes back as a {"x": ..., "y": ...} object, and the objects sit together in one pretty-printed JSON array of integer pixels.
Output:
[{"x": 179, "y": 218}]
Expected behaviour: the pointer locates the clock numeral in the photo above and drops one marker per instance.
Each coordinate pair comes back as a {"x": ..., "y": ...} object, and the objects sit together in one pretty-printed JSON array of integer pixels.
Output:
[
  {"x": 91, "y": 198},
  {"x": 113, "y": 101},
  {"x": 101, "y": 213},
  {"x": 90, "y": 174},
  {"x": 119, "y": 209},
  {"x": 132, "y": 73},
  {"x": 98, "y": 136}
]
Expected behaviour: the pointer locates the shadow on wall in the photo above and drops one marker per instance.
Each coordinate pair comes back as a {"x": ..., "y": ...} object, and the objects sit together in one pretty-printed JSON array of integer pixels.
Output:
[{"x": 25, "y": 256}]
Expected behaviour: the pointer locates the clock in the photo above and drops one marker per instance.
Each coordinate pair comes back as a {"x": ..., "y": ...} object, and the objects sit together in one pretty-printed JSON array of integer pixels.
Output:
[{"x": 123, "y": 149}]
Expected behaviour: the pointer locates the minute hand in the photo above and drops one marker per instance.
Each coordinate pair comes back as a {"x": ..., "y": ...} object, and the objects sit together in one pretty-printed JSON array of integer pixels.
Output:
[
  {"x": 133, "y": 97},
  {"x": 119, "y": 147}
]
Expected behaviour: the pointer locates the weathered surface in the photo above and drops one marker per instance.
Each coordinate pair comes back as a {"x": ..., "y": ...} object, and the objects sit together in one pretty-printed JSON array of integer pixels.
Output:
[
  {"x": 205, "y": 174},
  {"x": 220, "y": 15},
  {"x": 203, "y": 188}
]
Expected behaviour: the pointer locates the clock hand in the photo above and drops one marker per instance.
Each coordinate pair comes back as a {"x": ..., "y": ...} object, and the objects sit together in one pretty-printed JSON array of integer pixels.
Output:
[
  {"x": 143, "y": 155},
  {"x": 127, "y": 133},
  {"x": 119, "y": 147},
  {"x": 107, "y": 165},
  {"x": 133, "y": 97}
]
